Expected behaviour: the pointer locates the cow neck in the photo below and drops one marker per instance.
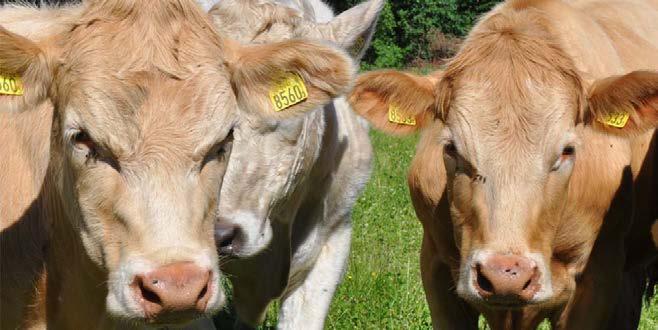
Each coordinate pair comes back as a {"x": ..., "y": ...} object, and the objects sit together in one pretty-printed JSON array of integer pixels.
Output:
[{"x": 76, "y": 286}]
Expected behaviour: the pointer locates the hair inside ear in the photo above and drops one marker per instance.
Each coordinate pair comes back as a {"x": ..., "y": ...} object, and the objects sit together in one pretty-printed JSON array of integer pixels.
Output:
[
  {"x": 394, "y": 102},
  {"x": 287, "y": 79},
  {"x": 625, "y": 105},
  {"x": 25, "y": 72}
]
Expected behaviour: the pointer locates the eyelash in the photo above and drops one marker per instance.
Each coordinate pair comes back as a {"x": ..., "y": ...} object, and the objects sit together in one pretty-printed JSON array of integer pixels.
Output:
[
  {"x": 567, "y": 152},
  {"x": 227, "y": 141},
  {"x": 220, "y": 153},
  {"x": 82, "y": 138},
  {"x": 450, "y": 149}
]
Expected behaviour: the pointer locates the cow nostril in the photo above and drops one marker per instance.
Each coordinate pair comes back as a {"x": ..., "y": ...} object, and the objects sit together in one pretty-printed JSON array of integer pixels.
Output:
[
  {"x": 203, "y": 292},
  {"x": 147, "y": 294},
  {"x": 483, "y": 282},
  {"x": 527, "y": 284}
]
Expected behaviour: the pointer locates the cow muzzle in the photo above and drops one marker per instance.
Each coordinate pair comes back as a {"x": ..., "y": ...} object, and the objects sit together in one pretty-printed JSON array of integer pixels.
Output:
[
  {"x": 506, "y": 280},
  {"x": 174, "y": 293}
]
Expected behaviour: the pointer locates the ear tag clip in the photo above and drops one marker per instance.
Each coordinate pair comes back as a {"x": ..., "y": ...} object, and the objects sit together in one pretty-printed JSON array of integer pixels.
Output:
[
  {"x": 397, "y": 117},
  {"x": 11, "y": 85},
  {"x": 616, "y": 119},
  {"x": 288, "y": 90}
]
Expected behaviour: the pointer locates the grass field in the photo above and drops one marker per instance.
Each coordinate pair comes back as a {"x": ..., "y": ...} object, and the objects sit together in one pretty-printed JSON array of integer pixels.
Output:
[{"x": 382, "y": 288}]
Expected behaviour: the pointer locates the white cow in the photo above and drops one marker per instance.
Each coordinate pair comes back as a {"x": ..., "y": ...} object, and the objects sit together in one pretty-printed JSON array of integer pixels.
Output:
[{"x": 284, "y": 211}]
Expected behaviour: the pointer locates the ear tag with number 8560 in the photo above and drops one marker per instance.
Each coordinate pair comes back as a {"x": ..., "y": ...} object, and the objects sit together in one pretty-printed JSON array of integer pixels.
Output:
[
  {"x": 11, "y": 85},
  {"x": 287, "y": 90}
]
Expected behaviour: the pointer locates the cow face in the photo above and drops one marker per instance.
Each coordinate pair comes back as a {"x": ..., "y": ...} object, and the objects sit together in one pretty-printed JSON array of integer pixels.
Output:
[
  {"x": 271, "y": 157},
  {"x": 511, "y": 141},
  {"x": 141, "y": 139},
  {"x": 508, "y": 127},
  {"x": 509, "y": 152}
]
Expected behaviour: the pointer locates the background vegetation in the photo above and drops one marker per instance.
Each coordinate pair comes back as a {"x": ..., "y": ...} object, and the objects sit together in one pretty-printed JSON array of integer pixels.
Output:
[{"x": 412, "y": 32}]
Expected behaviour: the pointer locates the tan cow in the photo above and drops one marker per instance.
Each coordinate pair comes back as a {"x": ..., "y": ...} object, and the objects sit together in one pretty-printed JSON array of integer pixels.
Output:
[
  {"x": 285, "y": 208},
  {"x": 537, "y": 158},
  {"x": 146, "y": 97}
]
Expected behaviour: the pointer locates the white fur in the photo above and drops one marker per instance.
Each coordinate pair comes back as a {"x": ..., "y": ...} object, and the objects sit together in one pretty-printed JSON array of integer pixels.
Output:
[{"x": 291, "y": 185}]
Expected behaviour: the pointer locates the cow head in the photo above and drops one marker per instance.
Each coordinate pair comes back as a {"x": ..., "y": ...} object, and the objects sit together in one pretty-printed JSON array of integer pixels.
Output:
[
  {"x": 147, "y": 95},
  {"x": 508, "y": 114},
  {"x": 270, "y": 157}
]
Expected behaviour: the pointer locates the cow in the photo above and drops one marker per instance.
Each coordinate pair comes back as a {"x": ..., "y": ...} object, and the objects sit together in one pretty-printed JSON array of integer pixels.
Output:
[
  {"x": 140, "y": 101},
  {"x": 284, "y": 210},
  {"x": 534, "y": 177}
]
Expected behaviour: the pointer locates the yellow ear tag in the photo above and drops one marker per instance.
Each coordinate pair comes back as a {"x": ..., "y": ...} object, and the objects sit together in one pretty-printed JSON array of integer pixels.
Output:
[
  {"x": 11, "y": 85},
  {"x": 288, "y": 90},
  {"x": 616, "y": 119},
  {"x": 395, "y": 116}
]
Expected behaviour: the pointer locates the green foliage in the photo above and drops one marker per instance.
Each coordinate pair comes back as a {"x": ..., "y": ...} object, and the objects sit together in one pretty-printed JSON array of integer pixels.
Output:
[{"x": 407, "y": 28}]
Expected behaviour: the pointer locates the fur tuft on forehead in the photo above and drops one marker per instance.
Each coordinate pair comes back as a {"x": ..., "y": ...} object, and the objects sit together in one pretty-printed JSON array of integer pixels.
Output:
[
  {"x": 169, "y": 36},
  {"x": 123, "y": 9},
  {"x": 506, "y": 49},
  {"x": 247, "y": 19}
]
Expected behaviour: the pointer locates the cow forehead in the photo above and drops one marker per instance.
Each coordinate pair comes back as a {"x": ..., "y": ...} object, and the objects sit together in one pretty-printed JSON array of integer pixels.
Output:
[
  {"x": 493, "y": 123},
  {"x": 134, "y": 117},
  {"x": 135, "y": 73},
  {"x": 259, "y": 21},
  {"x": 120, "y": 38},
  {"x": 141, "y": 45}
]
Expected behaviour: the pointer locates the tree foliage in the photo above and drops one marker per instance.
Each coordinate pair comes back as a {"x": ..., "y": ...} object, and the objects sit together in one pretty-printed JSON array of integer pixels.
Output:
[{"x": 407, "y": 29}]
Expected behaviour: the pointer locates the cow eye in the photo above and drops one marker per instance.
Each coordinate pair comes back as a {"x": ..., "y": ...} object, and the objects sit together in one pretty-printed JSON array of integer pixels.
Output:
[
  {"x": 450, "y": 149},
  {"x": 82, "y": 141},
  {"x": 568, "y": 151},
  {"x": 220, "y": 151},
  {"x": 226, "y": 145}
]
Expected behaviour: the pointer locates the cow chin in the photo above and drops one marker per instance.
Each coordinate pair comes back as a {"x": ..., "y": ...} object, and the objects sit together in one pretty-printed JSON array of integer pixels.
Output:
[
  {"x": 137, "y": 290},
  {"x": 507, "y": 281}
]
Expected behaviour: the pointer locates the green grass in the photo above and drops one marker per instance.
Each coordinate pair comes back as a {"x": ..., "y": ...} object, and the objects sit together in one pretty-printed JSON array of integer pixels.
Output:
[{"x": 382, "y": 288}]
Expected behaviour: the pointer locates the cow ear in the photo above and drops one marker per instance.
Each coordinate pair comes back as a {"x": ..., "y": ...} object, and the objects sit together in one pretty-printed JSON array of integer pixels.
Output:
[
  {"x": 286, "y": 79},
  {"x": 352, "y": 29},
  {"x": 25, "y": 73},
  {"x": 624, "y": 105},
  {"x": 395, "y": 102}
]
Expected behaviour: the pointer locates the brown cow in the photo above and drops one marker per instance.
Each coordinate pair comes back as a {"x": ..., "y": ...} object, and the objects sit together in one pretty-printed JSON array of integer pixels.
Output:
[
  {"x": 537, "y": 155},
  {"x": 145, "y": 96}
]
